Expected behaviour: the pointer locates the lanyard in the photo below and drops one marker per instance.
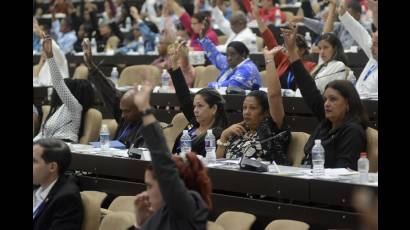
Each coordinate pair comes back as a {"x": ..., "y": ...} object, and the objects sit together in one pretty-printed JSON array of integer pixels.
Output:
[
  {"x": 290, "y": 79},
  {"x": 370, "y": 71},
  {"x": 125, "y": 132}
]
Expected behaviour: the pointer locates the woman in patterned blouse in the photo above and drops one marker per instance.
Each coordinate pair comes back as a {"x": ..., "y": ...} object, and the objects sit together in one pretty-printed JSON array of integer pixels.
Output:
[
  {"x": 263, "y": 133},
  {"x": 70, "y": 101}
]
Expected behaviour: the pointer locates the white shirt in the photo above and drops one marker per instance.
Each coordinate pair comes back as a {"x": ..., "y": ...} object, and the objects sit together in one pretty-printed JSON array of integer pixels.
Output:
[
  {"x": 44, "y": 76},
  {"x": 333, "y": 70},
  {"x": 246, "y": 35},
  {"x": 367, "y": 84},
  {"x": 65, "y": 122},
  {"x": 41, "y": 193}
]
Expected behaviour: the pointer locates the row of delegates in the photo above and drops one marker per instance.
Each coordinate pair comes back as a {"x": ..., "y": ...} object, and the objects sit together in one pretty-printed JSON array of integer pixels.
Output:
[
  {"x": 282, "y": 62},
  {"x": 147, "y": 30},
  {"x": 236, "y": 69},
  {"x": 70, "y": 100},
  {"x": 178, "y": 194},
  {"x": 56, "y": 197},
  {"x": 205, "y": 112},
  {"x": 369, "y": 78},
  {"x": 338, "y": 30},
  {"x": 263, "y": 118},
  {"x": 194, "y": 25},
  {"x": 342, "y": 116}
]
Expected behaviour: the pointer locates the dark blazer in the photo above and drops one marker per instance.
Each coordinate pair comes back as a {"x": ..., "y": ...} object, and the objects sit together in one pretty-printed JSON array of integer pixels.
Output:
[
  {"x": 183, "y": 208},
  {"x": 62, "y": 208}
]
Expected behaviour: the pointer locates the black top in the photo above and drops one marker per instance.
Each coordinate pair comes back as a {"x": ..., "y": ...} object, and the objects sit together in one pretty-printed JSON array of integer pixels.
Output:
[
  {"x": 183, "y": 208},
  {"x": 186, "y": 102},
  {"x": 62, "y": 208},
  {"x": 342, "y": 145}
]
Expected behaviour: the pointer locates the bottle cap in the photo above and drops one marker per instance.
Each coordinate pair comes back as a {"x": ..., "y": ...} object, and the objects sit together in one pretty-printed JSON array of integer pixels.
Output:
[
  {"x": 363, "y": 154},
  {"x": 318, "y": 141}
]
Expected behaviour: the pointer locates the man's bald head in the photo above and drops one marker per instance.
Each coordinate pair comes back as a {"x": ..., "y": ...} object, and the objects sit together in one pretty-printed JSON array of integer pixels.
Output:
[
  {"x": 238, "y": 21},
  {"x": 129, "y": 109}
]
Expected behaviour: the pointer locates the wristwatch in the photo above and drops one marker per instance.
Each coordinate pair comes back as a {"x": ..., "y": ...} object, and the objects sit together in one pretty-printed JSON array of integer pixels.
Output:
[
  {"x": 147, "y": 111},
  {"x": 220, "y": 143}
]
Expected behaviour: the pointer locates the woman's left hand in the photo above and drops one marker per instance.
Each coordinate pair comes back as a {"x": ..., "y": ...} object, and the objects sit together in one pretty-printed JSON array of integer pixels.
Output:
[
  {"x": 270, "y": 54},
  {"x": 47, "y": 46}
]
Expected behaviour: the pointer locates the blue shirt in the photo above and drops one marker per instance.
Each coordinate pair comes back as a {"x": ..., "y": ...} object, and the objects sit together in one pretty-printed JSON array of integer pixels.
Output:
[
  {"x": 245, "y": 75},
  {"x": 65, "y": 40},
  {"x": 149, "y": 40}
]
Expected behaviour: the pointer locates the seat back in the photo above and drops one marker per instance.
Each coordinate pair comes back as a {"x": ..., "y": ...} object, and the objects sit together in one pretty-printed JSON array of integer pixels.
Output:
[
  {"x": 123, "y": 204},
  {"x": 179, "y": 122},
  {"x": 287, "y": 225},
  {"x": 81, "y": 72},
  {"x": 96, "y": 196},
  {"x": 213, "y": 226},
  {"x": 92, "y": 215},
  {"x": 373, "y": 149},
  {"x": 204, "y": 75},
  {"x": 137, "y": 74},
  {"x": 92, "y": 126},
  {"x": 117, "y": 221},
  {"x": 296, "y": 147},
  {"x": 231, "y": 220}
]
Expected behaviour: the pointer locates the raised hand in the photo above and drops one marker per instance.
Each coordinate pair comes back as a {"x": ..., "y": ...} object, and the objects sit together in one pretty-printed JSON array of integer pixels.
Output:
[
  {"x": 342, "y": 9},
  {"x": 142, "y": 97},
  {"x": 47, "y": 46},
  {"x": 289, "y": 36},
  {"x": 143, "y": 209},
  {"x": 270, "y": 54},
  {"x": 87, "y": 52},
  {"x": 235, "y": 129},
  {"x": 255, "y": 9},
  {"x": 134, "y": 13},
  {"x": 204, "y": 29}
]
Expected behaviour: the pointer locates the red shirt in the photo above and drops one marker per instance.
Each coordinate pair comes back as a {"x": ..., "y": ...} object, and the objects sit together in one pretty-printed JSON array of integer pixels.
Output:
[{"x": 186, "y": 22}]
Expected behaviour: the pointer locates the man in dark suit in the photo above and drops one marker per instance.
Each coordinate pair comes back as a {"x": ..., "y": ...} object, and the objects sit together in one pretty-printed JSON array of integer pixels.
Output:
[{"x": 56, "y": 198}]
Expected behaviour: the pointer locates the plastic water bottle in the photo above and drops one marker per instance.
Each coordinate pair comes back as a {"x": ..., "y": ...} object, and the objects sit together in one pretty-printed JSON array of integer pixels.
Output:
[
  {"x": 278, "y": 19},
  {"x": 165, "y": 79},
  {"x": 318, "y": 159},
  {"x": 104, "y": 138},
  {"x": 93, "y": 46},
  {"x": 141, "y": 48},
  {"x": 185, "y": 143},
  {"x": 156, "y": 44},
  {"x": 308, "y": 39},
  {"x": 210, "y": 147},
  {"x": 363, "y": 168},
  {"x": 114, "y": 75}
]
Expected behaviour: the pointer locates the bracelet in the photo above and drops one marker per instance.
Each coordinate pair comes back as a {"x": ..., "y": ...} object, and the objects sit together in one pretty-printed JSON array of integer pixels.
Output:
[
  {"x": 147, "y": 111},
  {"x": 268, "y": 61},
  {"x": 220, "y": 143}
]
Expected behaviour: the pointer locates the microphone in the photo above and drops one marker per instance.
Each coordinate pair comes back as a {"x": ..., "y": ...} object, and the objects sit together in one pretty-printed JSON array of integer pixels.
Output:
[
  {"x": 340, "y": 71},
  {"x": 167, "y": 126}
]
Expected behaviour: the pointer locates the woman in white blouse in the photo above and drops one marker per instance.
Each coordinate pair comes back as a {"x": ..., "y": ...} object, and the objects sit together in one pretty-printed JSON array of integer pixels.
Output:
[
  {"x": 332, "y": 62},
  {"x": 69, "y": 102}
]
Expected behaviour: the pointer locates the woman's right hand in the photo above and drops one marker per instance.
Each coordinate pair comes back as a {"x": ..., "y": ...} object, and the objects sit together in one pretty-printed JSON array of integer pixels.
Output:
[
  {"x": 289, "y": 37},
  {"x": 47, "y": 46},
  {"x": 143, "y": 209},
  {"x": 255, "y": 9},
  {"x": 235, "y": 129}
]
